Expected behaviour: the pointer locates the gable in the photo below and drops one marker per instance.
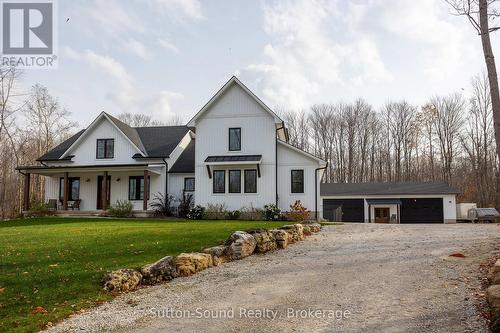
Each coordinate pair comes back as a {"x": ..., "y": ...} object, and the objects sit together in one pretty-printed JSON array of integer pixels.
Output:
[
  {"x": 234, "y": 99},
  {"x": 85, "y": 150},
  {"x": 288, "y": 154}
]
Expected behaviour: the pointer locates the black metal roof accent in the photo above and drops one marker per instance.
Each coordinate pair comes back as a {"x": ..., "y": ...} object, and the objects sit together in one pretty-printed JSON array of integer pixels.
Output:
[
  {"x": 338, "y": 189},
  {"x": 185, "y": 162},
  {"x": 387, "y": 201},
  {"x": 233, "y": 158}
]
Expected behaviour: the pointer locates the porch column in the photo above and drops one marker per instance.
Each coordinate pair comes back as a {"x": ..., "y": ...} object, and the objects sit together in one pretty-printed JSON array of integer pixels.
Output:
[
  {"x": 105, "y": 191},
  {"x": 26, "y": 194},
  {"x": 66, "y": 191},
  {"x": 146, "y": 191}
]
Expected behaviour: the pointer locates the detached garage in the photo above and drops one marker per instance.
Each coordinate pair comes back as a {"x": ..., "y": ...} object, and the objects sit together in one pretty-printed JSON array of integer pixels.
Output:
[{"x": 406, "y": 202}]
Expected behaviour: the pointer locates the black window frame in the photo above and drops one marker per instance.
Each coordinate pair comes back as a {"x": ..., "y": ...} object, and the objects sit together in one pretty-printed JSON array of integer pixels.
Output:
[
  {"x": 229, "y": 138},
  {"x": 254, "y": 171},
  {"x": 71, "y": 180},
  {"x": 137, "y": 195},
  {"x": 105, "y": 149},
  {"x": 185, "y": 181},
  {"x": 292, "y": 189},
  {"x": 214, "y": 182},
  {"x": 239, "y": 183}
]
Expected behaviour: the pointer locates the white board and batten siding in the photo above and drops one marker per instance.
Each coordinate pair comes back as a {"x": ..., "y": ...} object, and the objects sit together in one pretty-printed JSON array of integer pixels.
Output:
[
  {"x": 288, "y": 160},
  {"x": 235, "y": 108},
  {"x": 85, "y": 151}
]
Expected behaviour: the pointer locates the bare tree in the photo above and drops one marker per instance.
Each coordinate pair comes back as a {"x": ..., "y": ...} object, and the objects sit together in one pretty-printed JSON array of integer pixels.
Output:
[
  {"x": 447, "y": 124},
  {"x": 480, "y": 13}
]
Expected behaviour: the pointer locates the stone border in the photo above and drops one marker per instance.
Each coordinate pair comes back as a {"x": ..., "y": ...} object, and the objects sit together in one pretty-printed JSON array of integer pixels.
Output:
[
  {"x": 239, "y": 245},
  {"x": 493, "y": 295}
]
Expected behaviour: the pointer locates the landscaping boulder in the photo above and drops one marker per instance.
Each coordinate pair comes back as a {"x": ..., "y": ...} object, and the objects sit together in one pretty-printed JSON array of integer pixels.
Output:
[
  {"x": 281, "y": 237},
  {"x": 265, "y": 240},
  {"x": 496, "y": 273},
  {"x": 162, "y": 270},
  {"x": 313, "y": 226},
  {"x": 219, "y": 254},
  {"x": 122, "y": 280},
  {"x": 240, "y": 245},
  {"x": 190, "y": 263},
  {"x": 295, "y": 232},
  {"x": 307, "y": 230},
  {"x": 493, "y": 294}
]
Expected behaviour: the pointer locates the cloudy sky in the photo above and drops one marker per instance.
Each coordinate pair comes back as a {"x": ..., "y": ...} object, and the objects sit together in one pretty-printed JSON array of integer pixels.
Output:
[{"x": 166, "y": 57}]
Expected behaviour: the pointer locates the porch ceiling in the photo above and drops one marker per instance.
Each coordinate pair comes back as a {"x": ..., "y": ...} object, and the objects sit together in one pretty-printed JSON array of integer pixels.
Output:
[{"x": 51, "y": 170}]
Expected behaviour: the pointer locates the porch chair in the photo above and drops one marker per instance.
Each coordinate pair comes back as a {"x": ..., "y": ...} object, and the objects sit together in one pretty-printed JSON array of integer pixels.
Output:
[
  {"x": 51, "y": 204},
  {"x": 75, "y": 205}
]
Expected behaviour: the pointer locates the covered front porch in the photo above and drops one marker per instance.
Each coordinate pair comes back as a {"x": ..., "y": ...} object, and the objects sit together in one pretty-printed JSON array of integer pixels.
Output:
[{"x": 92, "y": 189}]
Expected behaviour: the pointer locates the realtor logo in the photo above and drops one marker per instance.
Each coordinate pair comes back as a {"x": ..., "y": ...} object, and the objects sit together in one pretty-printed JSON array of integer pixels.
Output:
[{"x": 28, "y": 28}]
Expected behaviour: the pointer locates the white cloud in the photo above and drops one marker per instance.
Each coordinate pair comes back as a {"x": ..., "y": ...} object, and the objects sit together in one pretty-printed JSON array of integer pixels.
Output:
[
  {"x": 189, "y": 9},
  {"x": 166, "y": 44},
  {"x": 135, "y": 47},
  {"x": 162, "y": 106},
  {"x": 124, "y": 93},
  {"x": 306, "y": 56},
  {"x": 443, "y": 42}
]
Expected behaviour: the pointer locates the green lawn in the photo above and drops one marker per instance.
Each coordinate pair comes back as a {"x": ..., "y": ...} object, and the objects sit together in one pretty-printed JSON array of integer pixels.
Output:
[{"x": 57, "y": 263}]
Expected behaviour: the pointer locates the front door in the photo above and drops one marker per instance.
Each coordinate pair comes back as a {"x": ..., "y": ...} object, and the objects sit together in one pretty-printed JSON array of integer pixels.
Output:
[
  {"x": 382, "y": 215},
  {"x": 100, "y": 181}
]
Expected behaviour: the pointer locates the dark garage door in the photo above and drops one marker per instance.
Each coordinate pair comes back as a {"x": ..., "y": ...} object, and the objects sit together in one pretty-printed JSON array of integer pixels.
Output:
[
  {"x": 351, "y": 210},
  {"x": 422, "y": 210}
]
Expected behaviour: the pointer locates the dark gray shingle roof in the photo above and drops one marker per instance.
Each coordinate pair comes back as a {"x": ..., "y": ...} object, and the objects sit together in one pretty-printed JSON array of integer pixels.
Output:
[
  {"x": 130, "y": 132},
  {"x": 56, "y": 153},
  {"x": 160, "y": 141},
  {"x": 157, "y": 141},
  {"x": 185, "y": 162},
  {"x": 338, "y": 189}
]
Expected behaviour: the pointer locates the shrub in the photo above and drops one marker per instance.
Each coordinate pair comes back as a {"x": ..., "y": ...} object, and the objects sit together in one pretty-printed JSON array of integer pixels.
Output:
[
  {"x": 251, "y": 213},
  {"x": 234, "y": 215},
  {"x": 122, "y": 208},
  {"x": 185, "y": 205},
  {"x": 196, "y": 213},
  {"x": 38, "y": 209},
  {"x": 298, "y": 212},
  {"x": 162, "y": 204},
  {"x": 216, "y": 212},
  {"x": 272, "y": 212}
]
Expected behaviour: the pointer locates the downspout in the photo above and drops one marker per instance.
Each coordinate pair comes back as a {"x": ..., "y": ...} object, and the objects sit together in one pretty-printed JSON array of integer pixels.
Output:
[
  {"x": 276, "y": 160},
  {"x": 166, "y": 176},
  {"x": 316, "y": 189}
]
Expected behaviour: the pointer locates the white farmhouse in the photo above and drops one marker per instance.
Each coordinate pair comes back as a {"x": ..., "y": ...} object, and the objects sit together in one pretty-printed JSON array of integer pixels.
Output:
[{"x": 233, "y": 152}]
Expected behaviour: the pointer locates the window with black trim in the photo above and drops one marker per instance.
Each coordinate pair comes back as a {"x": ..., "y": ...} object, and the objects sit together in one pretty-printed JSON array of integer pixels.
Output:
[
  {"x": 234, "y": 181},
  {"x": 297, "y": 181},
  {"x": 250, "y": 181},
  {"x": 189, "y": 184},
  {"x": 74, "y": 188},
  {"x": 235, "y": 139},
  {"x": 219, "y": 181},
  {"x": 105, "y": 148},
  {"x": 136, "y": 187}
]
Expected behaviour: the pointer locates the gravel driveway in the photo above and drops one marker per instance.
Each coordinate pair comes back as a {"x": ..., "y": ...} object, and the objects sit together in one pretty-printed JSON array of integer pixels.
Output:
[{"x": 348, "y": 278}]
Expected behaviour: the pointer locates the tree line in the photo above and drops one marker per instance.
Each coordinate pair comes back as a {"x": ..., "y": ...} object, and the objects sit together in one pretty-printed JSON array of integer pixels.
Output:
[{"x": 449, "y": 138}]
